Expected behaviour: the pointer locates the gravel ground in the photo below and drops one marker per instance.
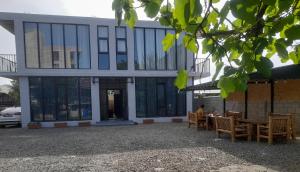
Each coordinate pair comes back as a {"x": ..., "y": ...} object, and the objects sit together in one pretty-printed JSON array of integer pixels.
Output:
[{"x": 156, "y": 147}]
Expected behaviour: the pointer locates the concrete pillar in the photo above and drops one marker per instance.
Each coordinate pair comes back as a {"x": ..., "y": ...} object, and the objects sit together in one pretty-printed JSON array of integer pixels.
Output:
[
  {"x": 189, "y": 98},
  {"x": 95, "y": 101},
  {"x": 24, "y": 100},
  {"x": 131, "y": 100}
]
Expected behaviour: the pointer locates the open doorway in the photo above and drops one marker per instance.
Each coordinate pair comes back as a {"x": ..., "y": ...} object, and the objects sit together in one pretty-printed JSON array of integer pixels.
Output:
[{"x": 115, "y": 108}]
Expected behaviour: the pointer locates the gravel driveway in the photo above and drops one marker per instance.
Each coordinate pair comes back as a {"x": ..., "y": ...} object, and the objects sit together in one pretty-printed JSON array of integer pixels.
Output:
[{"x": 156, "y": 147}]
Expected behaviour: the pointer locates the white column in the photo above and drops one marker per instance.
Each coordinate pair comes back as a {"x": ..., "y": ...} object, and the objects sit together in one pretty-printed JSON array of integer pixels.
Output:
[
  {"x": 19, "y": 40},
  {"x": 131, "y": 101},
  {"x": 189, "y": 97},
  {"x": 95, "y": 101},
  {"x": 24, "y": 100}
]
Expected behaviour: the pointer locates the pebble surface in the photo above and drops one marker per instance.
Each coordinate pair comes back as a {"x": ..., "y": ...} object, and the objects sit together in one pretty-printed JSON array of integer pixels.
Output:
[{"x": 156, "y": 148}]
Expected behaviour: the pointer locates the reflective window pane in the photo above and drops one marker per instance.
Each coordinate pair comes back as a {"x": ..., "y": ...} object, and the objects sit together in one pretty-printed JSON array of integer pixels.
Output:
[
  {"x": 49, "y": 99},
  {"x": 121, "y": 46},
  {"x": 84, "y": 56},
  {"x": 58, "y": 46},
  {"x": 160, "y": 53},
  {"x": 85, "y": 99},
  {"x": 181, "y": 54},
  {"x": 121, "y": 61},
  {"x": 31, "y": 45},
  {"x": 103, "y": 61},
  {"x": 171, "y": 55},
  {"x": 150, "y": 48},
  {"x": 36, "y": 99},
  {"x": 140, "y": 95},
  {"x": 151, "y": 97},
  {"x": 120, "y": 32},
  {"x": 61, "y": 92},
  {"x": 73, "y": 99},
  {"x": 103, "y": 32},
  {"x": 103, "y": 45},
  {"x": 45, "y": 46},
  {"x": 71, "y": 46},
  {"x": 139, "y": 58}
]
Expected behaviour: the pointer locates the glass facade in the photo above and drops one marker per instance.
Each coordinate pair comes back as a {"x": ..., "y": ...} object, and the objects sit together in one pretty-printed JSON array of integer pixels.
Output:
[
  {"x": 103, "y": 48},
  {"x": 60, "y": 98},
  {"x": 57, "y": 45},
  {"x": 158, "y": 97},
  {"x": 121, "y": 50},
  {"x": 149, "y": 54}
]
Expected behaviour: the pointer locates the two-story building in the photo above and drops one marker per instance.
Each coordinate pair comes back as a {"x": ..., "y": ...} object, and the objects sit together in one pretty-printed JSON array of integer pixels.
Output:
[{"x": 76, "y": 69}]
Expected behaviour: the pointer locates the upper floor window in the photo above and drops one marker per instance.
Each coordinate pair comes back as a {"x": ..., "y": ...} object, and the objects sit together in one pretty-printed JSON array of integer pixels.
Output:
[
  {"x": 103, "y": 48},
  {"x": 121, "y": 50},
  {"x": 57, "y": 45},
  {"x": 149, "y": 53}
]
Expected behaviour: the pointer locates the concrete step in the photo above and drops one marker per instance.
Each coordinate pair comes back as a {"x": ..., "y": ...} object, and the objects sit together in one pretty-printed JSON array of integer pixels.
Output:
[{"x": 115, "y": 123}]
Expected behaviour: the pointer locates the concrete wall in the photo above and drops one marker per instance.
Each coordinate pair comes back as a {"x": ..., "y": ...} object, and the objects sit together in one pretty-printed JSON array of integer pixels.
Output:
[{"x": 211, "y": 103}]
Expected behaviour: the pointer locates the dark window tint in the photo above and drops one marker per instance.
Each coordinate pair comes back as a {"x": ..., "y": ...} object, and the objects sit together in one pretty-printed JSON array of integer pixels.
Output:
[
  {"x": 121, "y": 53},
  {"x": 103, "y": 48}
]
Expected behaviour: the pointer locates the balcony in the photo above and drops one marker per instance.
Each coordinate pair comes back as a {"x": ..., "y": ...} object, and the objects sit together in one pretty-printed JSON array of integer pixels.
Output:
[
  {"x": 202, "y": 66},
  {"x": 8, "y": 63}
]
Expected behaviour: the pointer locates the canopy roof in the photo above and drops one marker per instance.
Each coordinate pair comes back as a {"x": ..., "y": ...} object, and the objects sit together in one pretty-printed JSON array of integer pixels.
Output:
[{"x": 279, "y": 73}]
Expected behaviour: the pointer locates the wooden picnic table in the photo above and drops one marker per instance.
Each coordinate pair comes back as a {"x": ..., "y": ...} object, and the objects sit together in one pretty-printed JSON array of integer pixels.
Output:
[{"x": 253, "y": 124}]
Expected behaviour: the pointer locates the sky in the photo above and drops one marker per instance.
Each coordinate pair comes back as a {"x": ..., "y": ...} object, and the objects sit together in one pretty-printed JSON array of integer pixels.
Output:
[{"x": 87, "y": 8}]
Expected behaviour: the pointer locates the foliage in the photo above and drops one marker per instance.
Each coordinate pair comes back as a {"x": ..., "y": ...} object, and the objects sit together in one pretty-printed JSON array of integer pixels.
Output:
[
  {"x": 14, "y": 92},
  {"x": 240, "y": 36}
]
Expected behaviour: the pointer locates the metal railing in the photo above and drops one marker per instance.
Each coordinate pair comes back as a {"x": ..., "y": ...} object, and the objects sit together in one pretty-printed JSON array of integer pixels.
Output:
[
  {"x": 202, "y": 65},
  {"x": 8, "y": 63}
]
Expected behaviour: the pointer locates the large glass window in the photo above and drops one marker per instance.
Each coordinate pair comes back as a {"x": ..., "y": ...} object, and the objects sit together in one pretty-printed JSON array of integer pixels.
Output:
[
  {"x": 139, "y": 58},
  {"x": 158, "y": 97},
  {"x": 45, "y": 45},
  {"x": 150, "y": 48},
  {"x": 60, "y": 99},
  {"x": 121, "y": 53},
  {"x": 57, "y": 45},
  {"x": 171, "y": 55},
  {"x": 31, "y": 45},
  {"x": 71, "y": 46},
  {"x": 103, "y": 48},
  {"x": 149, "y": 52},
  {"x": 181, "y": 53},
  {"x": 84, "y": 59},
  {"x": 160, "y": 53}
]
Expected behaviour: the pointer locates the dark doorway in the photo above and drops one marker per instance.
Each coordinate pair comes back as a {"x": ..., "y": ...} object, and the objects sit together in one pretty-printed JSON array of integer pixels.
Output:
[
  {"x": 115, "y": 108},
  {"x": 113, "y": 99}
]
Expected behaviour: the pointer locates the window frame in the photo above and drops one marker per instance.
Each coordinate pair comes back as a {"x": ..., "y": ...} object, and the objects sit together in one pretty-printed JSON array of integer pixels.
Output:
[
  {"x": 166, "y": 30},
  {"x": 126, "y": 47},
  {"x": 107, "y": 41},
  {"x": 64, "y": 42},
  {"x": 55, "y": 85}
]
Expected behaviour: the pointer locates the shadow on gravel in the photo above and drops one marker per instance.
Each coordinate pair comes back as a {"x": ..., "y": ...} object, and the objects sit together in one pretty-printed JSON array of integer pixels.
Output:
[{"x": 19, "y": 143}]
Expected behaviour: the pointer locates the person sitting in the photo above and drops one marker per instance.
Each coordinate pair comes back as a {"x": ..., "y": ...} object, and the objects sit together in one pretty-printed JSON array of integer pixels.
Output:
[{"x": 198, "y": 117}]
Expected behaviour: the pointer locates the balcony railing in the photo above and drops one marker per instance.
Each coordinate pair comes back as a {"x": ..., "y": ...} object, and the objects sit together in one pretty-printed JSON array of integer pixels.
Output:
[
  {"x": 202, "y": 65},
  {"x": 8, "y": 63}
]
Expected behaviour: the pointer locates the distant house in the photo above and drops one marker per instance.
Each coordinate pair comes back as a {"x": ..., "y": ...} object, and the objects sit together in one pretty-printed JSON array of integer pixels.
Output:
[
  {"x": 5, "y": 99},
  {"x": 82, "y": 69}
]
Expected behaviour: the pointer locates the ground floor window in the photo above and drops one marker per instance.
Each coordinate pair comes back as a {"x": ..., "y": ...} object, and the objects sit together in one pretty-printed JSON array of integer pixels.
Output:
[
  {"x": 60, "y": 98},
  {"x": 158, "y": 97}
]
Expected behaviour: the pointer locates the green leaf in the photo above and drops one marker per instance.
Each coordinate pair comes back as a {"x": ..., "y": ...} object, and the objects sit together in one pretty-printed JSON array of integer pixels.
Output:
[
  {"x": 269, "y": 2},
  {"x": 152, "y": 7},
  {"x": 224, "y": 12},
  {"x": 218, "y": 69},
  {"x": 212, "y": 17},
  {"x": 168, "y": 41},
  {"x": 294, "y": 58},
  {"x": 226, "y": 84},
  {"x": 207, "y": 45},
  {"x": 190, "y": 43},
  {"x": 195, "y": 8},
  {"x": 215, "y": 1},
  {"x": 281, "y": 49},
  {"x": 293, "y": 33},
  {"x": 244, "y": 9},
  {"x": 181, "y": 12},
  {"x": 181, "y": 79},
  {"x": 264, "y": 66},
  {"x": 260, "y": 44},
  {"x": 130, "y": 18}
]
